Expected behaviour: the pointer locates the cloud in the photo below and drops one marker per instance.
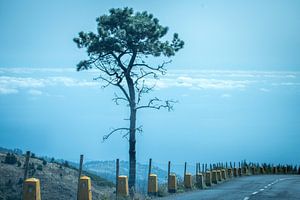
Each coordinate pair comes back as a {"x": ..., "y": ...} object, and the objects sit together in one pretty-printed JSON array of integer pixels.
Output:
[
  {"x": 12, "y": 84},
  {"x": 35, "y": 92},
  {"x": 13, "y": 80},
  {"x": 264, "y": 90},
  {"x": 198, "y": 83},
  {"x": 4, "y": 90},
  {"x": 226, "y": 96}
]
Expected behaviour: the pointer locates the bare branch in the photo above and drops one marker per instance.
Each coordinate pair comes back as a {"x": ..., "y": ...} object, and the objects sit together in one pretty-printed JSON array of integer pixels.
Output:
[
  {"x": 118, "y": 98},
  {"x": 138, "y": 129},
  {"x": 160, "y": 68},
  {"x": 105, "y": 137},
  {"x": 143, "y": 75},
  {"x": 144, "y": 89},
  {"x": 156, "y": 103}
]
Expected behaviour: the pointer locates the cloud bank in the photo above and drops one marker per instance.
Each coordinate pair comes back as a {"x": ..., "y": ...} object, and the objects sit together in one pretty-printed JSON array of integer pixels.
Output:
[{"x": 13, "y": 80}]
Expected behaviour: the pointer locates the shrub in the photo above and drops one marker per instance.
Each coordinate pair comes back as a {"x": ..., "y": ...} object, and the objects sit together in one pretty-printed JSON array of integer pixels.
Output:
[
  {"x": 31, "y": 166},
  {"x": 9, "y": 183},
  {"x": 40, "y": 167},
  {"x": 19, "y": 164},
  {"x": 20, "y": 182},
  {"x": 44, "y": 162},
  {"x": 10, "y": 159},
  {"x": 66, "y": 164}
]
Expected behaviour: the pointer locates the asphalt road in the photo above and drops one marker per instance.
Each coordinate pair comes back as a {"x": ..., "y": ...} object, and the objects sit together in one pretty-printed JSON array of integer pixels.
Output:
[{"x": 263, "y": 187}]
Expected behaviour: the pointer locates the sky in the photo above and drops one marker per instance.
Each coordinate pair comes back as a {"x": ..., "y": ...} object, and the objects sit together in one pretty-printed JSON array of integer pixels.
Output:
[{"x": 237, "y": 82}]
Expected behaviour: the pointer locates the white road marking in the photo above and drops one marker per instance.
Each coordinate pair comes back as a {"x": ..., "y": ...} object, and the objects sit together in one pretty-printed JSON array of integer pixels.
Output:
[{"x": 269, "y": 185}]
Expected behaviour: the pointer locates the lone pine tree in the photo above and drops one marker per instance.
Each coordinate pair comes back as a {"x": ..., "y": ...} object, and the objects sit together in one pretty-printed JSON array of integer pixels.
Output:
[{"x": 119, "y": 49}]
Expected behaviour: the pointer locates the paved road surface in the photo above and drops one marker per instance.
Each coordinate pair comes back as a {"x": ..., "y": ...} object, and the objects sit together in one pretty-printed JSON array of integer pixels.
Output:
[{"x": 264, "y": 187}]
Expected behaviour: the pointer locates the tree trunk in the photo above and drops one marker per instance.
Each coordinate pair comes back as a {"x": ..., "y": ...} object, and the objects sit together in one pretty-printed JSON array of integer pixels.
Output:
[
  {"x": 132, "y": 152},
  {"x": 132, "y": 141}
]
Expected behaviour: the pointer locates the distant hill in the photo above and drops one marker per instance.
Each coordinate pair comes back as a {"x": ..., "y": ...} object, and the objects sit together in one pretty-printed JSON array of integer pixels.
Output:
[
  {"x": 58, "y": 181},
  {"x": 107, "y": 170}
]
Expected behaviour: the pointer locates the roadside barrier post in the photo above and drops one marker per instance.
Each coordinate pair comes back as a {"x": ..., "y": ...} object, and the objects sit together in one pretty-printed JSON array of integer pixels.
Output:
[
  {"x": 223, "y": 172},
  {"x": 172, "y": 183},
  {"x": 85, "y": 188},
  {"x": 235, "y": 172},
  {"x": 152, "y": 184},
  {"x": 214, "y": 177},
  {"x": 188, "y": 181},
  {"x": 219, "y": 175},
  {"x": 208, "y": 178},
  {"x": 200, "y": 180},
  {"x": 122, "y": 189},
  {"x": 31, "y": 189}
]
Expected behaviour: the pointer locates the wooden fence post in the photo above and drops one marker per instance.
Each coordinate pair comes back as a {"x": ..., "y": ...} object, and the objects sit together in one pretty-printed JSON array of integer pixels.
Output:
[
  {"x": 169, "y": 168},
  {"x": 79, "y": 174},
  {"x": 117, "y": 176},
  {"x": 26, "y": 165},
  {"x": 150, "y": 166}
]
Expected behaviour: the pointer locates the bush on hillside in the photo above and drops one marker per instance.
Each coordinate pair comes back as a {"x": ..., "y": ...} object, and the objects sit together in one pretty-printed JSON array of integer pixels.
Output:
[
  {"x": 44, "y": 162},
  {"x": 10, "y": 158}
]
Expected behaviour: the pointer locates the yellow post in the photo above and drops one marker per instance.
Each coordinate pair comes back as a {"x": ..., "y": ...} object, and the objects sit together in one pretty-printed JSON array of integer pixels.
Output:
[
  {"x": 235, "y": 172},
  {"x": 285, "y": 170},
  {"x": 245, "y": 170},
  {"x": 123, "y": 186},
  {"x": 214, "y": 177},
  {"x": 253, "y": 170},
  {"x": 199, "y": 181},
  {"x": 261, "y": 169},
  {"x": 219, "y": 175},
  {"x": 188, "y": 180},
  {"x": 152, "y": 184},
  {"x": 230, "y": 172},
  {"x": 208, "y": 179},
  {"x": 85, "y": 188},
  {"x": 31, "y": 189},
  {"x": 172, "y": 184},
  {"x": 274, "y": 170},
  {"x": 223, "y": 172},
  {"x": 240, "y": 171}
]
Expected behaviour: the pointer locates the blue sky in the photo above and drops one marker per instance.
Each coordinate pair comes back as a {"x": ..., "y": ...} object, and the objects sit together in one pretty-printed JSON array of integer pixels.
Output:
[{"x": 237, "y": 82}]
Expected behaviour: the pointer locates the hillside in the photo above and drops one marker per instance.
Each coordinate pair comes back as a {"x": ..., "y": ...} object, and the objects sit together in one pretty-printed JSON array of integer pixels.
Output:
[
  {"x": 58, "y": 181},
  {"x": 107, "y": 169}
]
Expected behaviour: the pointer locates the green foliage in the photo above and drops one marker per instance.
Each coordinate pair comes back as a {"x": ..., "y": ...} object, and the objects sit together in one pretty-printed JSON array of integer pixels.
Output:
[
  {"x": 66, "y": 164},
  {"x": 20, "y": 182},
  {"x": 39, "y": 167},
  {"x": 44, "y": 162},
  {"x": 123, "y": 31},
  {"x": 10, "y": 158}
]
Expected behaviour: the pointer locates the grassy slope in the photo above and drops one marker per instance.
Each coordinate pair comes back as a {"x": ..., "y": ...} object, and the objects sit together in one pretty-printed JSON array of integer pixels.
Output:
[{"x": 57, "y": 181}]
